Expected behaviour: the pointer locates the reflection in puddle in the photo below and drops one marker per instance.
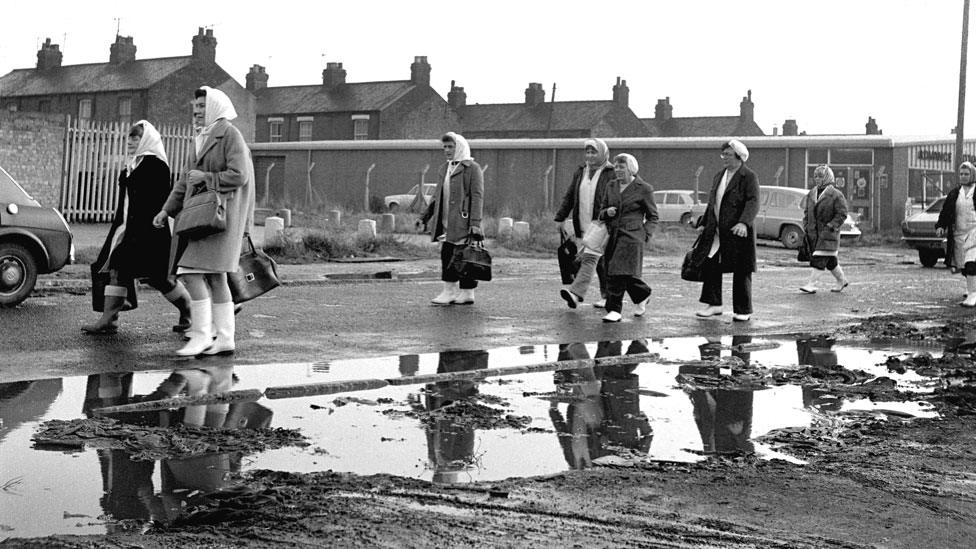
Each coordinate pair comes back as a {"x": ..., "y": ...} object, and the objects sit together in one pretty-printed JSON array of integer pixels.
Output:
[{"x": 437, "y": 418}]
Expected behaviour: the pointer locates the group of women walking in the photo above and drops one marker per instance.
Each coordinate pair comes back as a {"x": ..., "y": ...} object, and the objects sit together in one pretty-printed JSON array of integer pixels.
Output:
[{"x": 190, "y": 272}]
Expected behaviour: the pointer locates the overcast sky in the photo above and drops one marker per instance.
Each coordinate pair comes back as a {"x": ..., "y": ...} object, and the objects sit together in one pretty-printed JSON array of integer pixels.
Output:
[{"x": 829, "y": 64}]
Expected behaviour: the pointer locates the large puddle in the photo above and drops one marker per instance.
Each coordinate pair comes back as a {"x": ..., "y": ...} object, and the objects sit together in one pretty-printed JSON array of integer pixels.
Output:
[{"x": 432, "y": 419}]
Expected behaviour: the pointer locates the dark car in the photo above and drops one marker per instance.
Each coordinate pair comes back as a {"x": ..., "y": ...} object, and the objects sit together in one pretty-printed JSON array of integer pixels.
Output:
[
  {"x": 33, "y": 240},
  {"x": 918, "y": 231}
]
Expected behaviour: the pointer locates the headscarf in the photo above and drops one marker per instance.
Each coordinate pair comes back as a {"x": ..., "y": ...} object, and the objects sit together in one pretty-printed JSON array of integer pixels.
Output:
[
  {"x": 218, "y": 106},
  {"x": 972, "y": 171},
  {"x": 150, "y": 144},
  {"x": 825, "y": 171},
  {"x": 740, "y": 150},
  {"x": 602, "y": 151},
  {"x": 462, "y": 151},
  {"x": 631, "y": 162}
]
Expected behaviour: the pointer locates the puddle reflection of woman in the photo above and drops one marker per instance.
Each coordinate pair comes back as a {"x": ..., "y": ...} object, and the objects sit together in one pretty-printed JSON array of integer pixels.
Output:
[
  {"x": 957, "y": 222},
  {"x": 450, "y": 442}
]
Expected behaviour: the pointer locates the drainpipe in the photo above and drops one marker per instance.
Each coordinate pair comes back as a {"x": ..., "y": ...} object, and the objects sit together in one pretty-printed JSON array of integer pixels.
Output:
[{"x": 366, "y": 196}]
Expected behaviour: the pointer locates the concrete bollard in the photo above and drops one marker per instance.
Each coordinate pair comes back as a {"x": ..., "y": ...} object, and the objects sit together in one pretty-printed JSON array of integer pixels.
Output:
[
  {"x": 367, "y": 228},
  {"x": 285, "y": 214},
  {"x": 335, "y": 217},
  {"x": 505, "y": 227},
  {"x": 274, "y": 231},
  {"x": 521, "y": 230},
  {"x": 387, "y": 223}
]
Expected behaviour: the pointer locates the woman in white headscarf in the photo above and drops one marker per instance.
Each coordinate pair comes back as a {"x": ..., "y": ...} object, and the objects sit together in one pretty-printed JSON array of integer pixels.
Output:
[
  {"x": 826, "y": 211},
  {"x": 580, "y": 207},
  {"x": 957, "y": 222},
  {"x": 134, "y": 247},
  {"x": 223, "y": 161},
  {"x": 454, "y": 215}
]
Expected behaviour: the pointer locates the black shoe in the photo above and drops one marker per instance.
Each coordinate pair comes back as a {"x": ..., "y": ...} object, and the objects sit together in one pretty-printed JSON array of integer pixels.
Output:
[{"x": 571, "y": 298}]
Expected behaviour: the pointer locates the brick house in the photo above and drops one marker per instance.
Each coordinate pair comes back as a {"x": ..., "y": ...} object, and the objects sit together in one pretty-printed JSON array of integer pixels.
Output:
[
  {"x": 534, "y": 118},
  {"x": 340, "y": 110},
  {"x": 665, "y": 125},
  {"x": 124, "y": 89}
]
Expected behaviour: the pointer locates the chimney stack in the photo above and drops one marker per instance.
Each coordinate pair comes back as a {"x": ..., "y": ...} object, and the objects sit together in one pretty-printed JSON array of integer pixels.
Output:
[
  {"x": 747, "y": 109},
  {"x": 420, "y": 71},
  {"x": 534, "y": 94},
  {"x": 122, "y": 51},
  {"x": 621, "y": 93},
  {"x": 790, "y": 127},
  {"x": 662, "y": 111},
  {"x": 456, "y": 98},
  {"x": 49, "y": 56},
  {"x": 205, "y": 46},
  {"x": 871, "y": 128},
  {"x": 256, "y": 79},
  {"x": 333, "y": 76}
]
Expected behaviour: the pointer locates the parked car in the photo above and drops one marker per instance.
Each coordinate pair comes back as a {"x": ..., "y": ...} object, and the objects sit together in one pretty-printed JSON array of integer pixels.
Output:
[
  {"x": 780, "y": 216},
  {"x": 33, "y": 240},
  {"x": 677, "y": 206},
  {"x": 396, "y": 201},
  {"x": 918, "y": 231}
]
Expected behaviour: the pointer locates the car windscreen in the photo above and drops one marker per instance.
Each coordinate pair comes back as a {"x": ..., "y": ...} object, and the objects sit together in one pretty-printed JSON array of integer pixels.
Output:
[{"x": 12, "y": 193}]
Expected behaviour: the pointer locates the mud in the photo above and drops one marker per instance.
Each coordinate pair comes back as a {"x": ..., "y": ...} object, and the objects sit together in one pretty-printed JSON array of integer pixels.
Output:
[{"x": 867, "y": 479}]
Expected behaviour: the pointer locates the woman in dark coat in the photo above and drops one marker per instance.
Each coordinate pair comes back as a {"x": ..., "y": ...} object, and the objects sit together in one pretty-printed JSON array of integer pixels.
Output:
[
  {"x": 957, "y": 222},
  {"x": 728, "y": 242},
  {"x": 826, "y": 211},
  {"x": 631, "y": 215},
  {"x": 454, "y": 216},
  {"x": 134, "y": 248}
]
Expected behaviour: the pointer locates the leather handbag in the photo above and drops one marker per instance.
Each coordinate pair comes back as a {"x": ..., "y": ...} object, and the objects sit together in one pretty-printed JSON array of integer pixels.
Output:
[
  {"x": 803, "y": 250},
  {"x": 203, "y": 214},
  {"x": 568, "y": 255},
  {"x": 691, "y": 267},
  {"x": 256, "y": 275},
  {"x": 472, "y": 261},
  {"x": 596, "y": 237}
]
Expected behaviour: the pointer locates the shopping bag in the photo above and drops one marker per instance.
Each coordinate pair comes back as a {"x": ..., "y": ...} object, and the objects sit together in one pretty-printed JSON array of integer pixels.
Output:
[
  {"x": 595, "y": 238},
  {"x": 691, "y": 266},
  {"x": 472, "y": 261},
  {"x": 568, "y": 255},
  {"x": 256, "y": 275},
  {"x": 203, "y": 214}
]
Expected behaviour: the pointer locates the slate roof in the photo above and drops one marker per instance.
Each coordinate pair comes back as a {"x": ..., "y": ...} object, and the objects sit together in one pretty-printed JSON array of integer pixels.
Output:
[
  {"x": 701, "y": 126},
  {"x": 566, "y": 115},
  {"x": 356, "y": 96},
  {"x": 89, "y": 78}
]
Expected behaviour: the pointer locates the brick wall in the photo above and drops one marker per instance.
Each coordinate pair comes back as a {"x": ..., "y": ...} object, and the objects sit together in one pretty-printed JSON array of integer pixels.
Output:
[{"x": 32, "y": 150}]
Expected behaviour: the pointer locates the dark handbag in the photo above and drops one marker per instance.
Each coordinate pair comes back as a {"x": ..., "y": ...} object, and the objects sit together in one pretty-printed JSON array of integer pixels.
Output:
[
  {"x": 691, "y": 267},
  {"x": 569, "y": 263},
  {"x": 101, "y": 279},
  {"x": 203, "y": 214},
  {"x": 256, "y": 275},
  {"x": 472, "y": 261},
  {"x": 803, "y": 250}
]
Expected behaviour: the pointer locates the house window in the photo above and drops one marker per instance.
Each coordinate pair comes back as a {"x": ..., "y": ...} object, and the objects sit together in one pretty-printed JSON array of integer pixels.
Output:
[
  {"x": 85, "y": 109},
  {"x": 125, "y": 110},
  {"x": 274, "y": 129},
  {"x": 305, "y": 128},
  {"x": 360, "y": 127}
]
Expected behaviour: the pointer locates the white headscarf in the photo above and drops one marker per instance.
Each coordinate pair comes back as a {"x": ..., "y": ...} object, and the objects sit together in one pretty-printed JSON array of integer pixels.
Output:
[
  {"x": 218, "y": 106},
  {"x": 462, "y": 151},
  {"x": 601, "y": 149},
  {"x": 739, "y": 149},
  {"x": 631, "y": 162},
  {"x": 150, "y": 144}
]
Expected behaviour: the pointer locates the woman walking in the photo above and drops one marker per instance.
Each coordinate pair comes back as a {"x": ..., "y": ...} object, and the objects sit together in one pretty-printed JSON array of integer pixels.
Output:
[
  {"x": 826, "y": 211},
  {"x": 728, "y": 241},
  {"x": 581, "y": 207},
  {"x": 957, "y": 222},
  {"x": 455, "y": 210},
  {"x": 630, "y": 215},
  {"x": 221, "y": 161},
  {"x": 134, "y": 248}
]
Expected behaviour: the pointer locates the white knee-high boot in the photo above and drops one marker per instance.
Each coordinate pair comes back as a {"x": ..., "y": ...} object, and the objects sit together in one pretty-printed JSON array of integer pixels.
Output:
[
  {"x": 447, "y": 295},
  {"x": 970, "y": 300},
  {"x": 811, "y": 286},
  {"x": 223, "y": 319},
  {"x": 841, "y": 279},
  {"x": 201, "y": 323}
]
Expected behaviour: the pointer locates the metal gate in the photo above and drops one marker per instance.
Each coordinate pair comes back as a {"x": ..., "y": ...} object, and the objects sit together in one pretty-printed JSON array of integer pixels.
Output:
[{"x": 94, "y": 155}]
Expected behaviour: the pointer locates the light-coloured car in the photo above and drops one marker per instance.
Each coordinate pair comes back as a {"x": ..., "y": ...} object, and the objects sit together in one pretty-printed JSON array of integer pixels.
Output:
[
  {"x": 918, "y": 231},
  {"x": 780, "y": 216},
  {"x": 33, "y": 240},
  {"x": 679, "y": 206},
  {"x": 395, "y": 202}
]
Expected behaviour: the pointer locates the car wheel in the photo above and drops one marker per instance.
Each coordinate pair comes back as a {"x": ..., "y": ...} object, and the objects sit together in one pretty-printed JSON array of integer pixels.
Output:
[
  {"x": 393, "y": 207},
  {"x": 685, "y": 218},
  {"x": 18, "y": 274},
  {"x": 928, "y": 258},
  {"x": 791, "y": 236}
]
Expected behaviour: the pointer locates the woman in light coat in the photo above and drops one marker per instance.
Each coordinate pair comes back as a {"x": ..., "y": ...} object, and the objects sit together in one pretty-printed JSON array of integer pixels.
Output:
[
  {"x": 957, "y": 222},
  {"x": 454, "y": 215},
  {"x": 223, "y": 161},
  {"x": 631, "y": 216},
  {"x": 826, "y": 211}
]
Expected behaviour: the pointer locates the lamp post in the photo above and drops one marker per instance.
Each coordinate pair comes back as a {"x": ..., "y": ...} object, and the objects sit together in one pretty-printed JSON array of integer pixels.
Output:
[{"x": 961, "y": 113}]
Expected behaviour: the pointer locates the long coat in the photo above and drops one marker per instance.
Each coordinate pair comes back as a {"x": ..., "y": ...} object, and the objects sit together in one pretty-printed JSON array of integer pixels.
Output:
[
  {"x": 823, "y": 218},
  {"x": 632, "y": 226},
  {"x": 226, "y": 161},
  {"x": 466, "y": 202},
  {"x": 947, "y": 221},
  {"x": 740, "y": 204},
  {"x": 144, "y": 249},
  {"x": 570, "y": 204}
]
